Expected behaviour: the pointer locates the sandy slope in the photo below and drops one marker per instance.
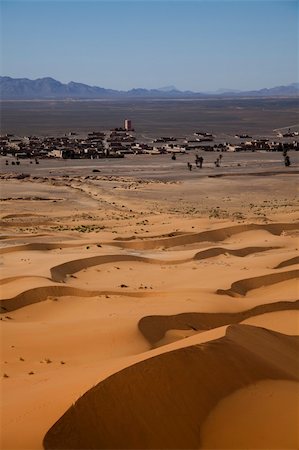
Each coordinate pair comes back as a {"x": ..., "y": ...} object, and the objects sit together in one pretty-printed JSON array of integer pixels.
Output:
[
  {"x": 183, "y": 385},
  {"x": 99, "y": 282}
]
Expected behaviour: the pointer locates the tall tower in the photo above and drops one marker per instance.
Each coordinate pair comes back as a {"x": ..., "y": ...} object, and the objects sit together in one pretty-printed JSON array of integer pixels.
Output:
[{"x": 128, "y": 125}]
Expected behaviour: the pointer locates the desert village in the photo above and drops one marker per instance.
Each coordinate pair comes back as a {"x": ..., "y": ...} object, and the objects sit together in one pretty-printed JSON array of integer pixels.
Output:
[{"x": 118, "y": 142}]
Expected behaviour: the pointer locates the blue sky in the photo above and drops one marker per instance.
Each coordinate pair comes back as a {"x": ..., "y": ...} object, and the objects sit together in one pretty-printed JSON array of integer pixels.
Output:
[{"x": 196, "y": 45}]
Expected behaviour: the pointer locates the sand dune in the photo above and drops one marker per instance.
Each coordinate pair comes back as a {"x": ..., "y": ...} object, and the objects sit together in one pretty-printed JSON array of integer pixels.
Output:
[
  {"x": 288, "y": 262},
  {"x": 209, "y": 236},
  {"x": 284, "y": 321},
  {"x": 42, "y": 246},
  {"x": 120, "y": 294},
  {"x": 134, "y": 409},
  {"x": 8, "y": 237},
  {"x": 59, "y": 272},
  {"x": 240, "y": 252},
  {"x": 10, "y": 287},
  {"x": 18, "y": 278},
  {"x": 257, "y": 420},
  {"x": 154, "y": 328},
  {"x": 241, "y": 287},
  {"x": 40, "y": 294},
  {"x": 159, "y": 236}
]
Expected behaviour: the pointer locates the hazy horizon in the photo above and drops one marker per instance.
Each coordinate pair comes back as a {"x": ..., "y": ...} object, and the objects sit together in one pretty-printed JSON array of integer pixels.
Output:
[{"x": 194, "y": 45}]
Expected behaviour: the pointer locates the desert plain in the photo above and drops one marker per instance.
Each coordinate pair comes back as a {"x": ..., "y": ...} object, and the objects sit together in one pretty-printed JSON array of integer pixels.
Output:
[{"x": 144, "y": 306}]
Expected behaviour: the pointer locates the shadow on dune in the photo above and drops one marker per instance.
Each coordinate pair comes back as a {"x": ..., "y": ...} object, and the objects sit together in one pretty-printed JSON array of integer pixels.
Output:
[
  {"x": 161, "y": 402},
  {"x": 288, "y": 262},
  {"x": 208, "y": 236},
  {"x": 38, "y": 246},
  {"x": 59, "y": 273},
  {"x": 241, "y": 287},
  {"x": 40, "y": 294},
  {"x": 154, "y": 328},
  {"x": 133, "y": 238}
]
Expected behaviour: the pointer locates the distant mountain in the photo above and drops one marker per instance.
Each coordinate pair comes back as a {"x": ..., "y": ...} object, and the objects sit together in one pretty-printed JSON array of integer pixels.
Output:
[
  {"x": 160, "y": 93},
  {"x": 288, "y": 91},
  {"x": 278, "y": 91},
  {"x": 48, "y": 88}
]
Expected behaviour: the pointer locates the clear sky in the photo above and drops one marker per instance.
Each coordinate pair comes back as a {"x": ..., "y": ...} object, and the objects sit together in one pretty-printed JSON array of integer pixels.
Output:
[{"x": 196, "y": 45}]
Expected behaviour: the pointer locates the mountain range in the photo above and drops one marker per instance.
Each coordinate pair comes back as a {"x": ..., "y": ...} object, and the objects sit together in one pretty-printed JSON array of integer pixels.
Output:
[{"x": 48, "y": 88}]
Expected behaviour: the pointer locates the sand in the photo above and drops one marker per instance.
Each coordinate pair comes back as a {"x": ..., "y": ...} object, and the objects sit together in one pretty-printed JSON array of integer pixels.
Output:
[
  {"x": 141, "y": 312},
  {"x": 257, "y": 418}
]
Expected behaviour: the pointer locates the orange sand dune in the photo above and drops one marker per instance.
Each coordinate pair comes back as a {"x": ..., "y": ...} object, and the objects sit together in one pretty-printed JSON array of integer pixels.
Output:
[
  {"x": 19, "y": 278},
  {"x": 288, "y": 262},
  {"x": 257, "y": 419},
  {"x": 40, "y": 294},
  {"x": 285, "y": 321},
  {"x": 132, "y": 238},
  {"x": 209, "y": 236},
  {"x": 8, "y": 237},
  {"x": 11, "y": 287},
  {"x": 162, "y": 402},
  {"x": 145, "y": 326},
  {"x": 240, "y": 252},
  {"x": 59, "y": 273},
  {"x": 241, "y": 287},
  {"x": 154, "y": 328},
  {"x": 39, "y": 247}
]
